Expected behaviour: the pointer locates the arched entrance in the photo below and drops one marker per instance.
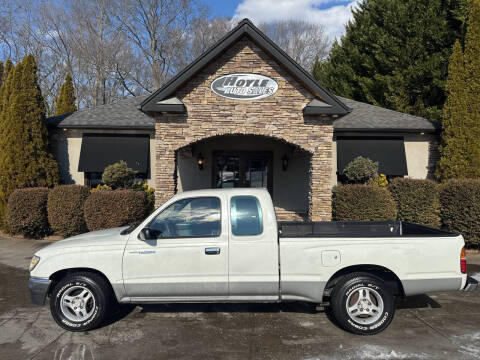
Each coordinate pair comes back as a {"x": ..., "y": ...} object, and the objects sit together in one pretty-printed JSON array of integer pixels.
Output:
[{"x": 239, "y": 160}]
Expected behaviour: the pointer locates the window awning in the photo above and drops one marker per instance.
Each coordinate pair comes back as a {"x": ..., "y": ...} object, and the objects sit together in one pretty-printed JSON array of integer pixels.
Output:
[
  {"x": 100, "y": 150},
  {"x": 388, "y": 151}
]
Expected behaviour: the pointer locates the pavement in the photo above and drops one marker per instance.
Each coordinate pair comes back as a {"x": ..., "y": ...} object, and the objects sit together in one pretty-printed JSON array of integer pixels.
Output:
[{"x": 437, "y": 326}]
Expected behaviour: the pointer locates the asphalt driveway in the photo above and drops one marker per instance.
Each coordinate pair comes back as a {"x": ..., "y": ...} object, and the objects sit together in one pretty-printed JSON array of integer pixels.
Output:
[{"x": 438, "y": 326}]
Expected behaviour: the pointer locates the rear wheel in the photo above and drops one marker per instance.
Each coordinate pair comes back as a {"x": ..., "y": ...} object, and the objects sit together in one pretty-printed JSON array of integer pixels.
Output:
[
  {"x": 362, "y": 304},
  {"x": 79, "y": 301}
]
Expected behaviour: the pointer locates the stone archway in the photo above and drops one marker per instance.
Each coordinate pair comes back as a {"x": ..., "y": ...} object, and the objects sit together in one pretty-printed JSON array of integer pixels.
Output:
[{"x": 318, "y": 170}]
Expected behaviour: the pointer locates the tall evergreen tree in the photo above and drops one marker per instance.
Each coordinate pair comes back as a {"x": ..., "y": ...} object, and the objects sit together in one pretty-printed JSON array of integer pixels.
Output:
[
  {"x": 460, "y": 148},
  {"x": 4, "y": 71},
  {"x": 395, "y": 54},
  {"x": 66, "y": 99},
  {"x": 25, "y": 159}
]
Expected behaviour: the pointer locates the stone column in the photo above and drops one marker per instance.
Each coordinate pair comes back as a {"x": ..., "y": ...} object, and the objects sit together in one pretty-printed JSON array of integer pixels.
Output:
[
  {"x": 320, "y": 208},
  {"x": 164, "y": 167}
]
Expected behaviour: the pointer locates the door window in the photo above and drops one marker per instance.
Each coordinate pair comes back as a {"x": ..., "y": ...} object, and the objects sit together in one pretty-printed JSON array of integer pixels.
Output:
[
  {"x": 192, "y": 217},
  {"x": 243, "y": 169},
  {"x": 246, "y": 216}
]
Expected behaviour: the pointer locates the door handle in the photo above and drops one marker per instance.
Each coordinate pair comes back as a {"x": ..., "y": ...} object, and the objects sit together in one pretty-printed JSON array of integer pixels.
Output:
[{"x": 212, "y": 251}]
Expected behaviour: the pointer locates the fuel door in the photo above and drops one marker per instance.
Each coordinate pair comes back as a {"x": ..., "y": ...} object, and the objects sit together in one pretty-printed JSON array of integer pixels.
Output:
[{"x": 331, "y": 258}]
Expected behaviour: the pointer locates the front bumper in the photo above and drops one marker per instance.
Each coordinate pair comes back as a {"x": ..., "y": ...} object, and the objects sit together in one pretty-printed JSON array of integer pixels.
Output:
[
  {"x": 38, "y": 289},
  {"x": 471, "y": 284}
]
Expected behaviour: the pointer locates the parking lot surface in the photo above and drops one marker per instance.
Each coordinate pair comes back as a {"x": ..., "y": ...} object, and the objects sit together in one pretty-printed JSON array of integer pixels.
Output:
[{"x": 438, "y": 326}]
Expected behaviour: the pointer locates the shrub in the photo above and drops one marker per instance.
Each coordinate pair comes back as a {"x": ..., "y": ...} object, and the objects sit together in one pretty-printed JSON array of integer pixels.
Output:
[
  {"x": 108, "y": 209},
  {"x": 149, "y": 194},
  {"x": 27, "y": 212},
  {"x": 360, "y": 170},
  {"x": 65, "y": 209},
  {"x": 119, "y": 176},
  {"x": 356, "y": 202},
  {"x": 417, "y": 201},
  {"x": 380, "y": 181},
  {"x": 460, "y": 209}
]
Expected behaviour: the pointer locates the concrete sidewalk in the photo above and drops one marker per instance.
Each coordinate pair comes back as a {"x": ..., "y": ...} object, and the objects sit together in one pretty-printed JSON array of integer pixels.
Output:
[{"x": 18, "y": 252}]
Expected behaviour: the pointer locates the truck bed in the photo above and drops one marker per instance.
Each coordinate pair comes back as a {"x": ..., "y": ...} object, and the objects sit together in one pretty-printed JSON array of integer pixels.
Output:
[{"x": 360, "y": 229}]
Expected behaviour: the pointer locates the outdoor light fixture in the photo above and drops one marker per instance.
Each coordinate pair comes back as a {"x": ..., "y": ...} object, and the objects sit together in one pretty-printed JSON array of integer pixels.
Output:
[
  {"x": 285, "y": 162},
  {"x": 200, "y": 161}
]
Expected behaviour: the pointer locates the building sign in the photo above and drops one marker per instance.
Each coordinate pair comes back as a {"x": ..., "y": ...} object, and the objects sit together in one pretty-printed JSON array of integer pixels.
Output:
[{"x": 244, "y": 86}]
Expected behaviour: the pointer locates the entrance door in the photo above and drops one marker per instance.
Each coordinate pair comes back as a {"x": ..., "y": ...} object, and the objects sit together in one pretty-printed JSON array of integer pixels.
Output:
[{"x": 242, "y": 169}]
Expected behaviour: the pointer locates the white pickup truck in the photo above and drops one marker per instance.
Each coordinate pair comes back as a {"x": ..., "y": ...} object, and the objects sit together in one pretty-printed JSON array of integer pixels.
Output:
[{"x": 227, "y": 246}]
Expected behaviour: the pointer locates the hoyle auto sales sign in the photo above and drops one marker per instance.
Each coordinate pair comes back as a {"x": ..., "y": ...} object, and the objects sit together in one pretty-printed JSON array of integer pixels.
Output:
[{"x": 244, "y": 86}]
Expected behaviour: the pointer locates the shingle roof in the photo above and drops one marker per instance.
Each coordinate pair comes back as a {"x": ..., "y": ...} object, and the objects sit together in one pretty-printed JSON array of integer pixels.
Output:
[
  {"x": 365, "y": 117},
  {"x": 123, "y": 114}
]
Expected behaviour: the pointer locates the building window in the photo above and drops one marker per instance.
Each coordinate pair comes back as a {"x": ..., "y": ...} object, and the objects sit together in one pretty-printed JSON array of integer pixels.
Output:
[
  {"x": 93, "y": 179},
  {"x": 389, "y": 152}
]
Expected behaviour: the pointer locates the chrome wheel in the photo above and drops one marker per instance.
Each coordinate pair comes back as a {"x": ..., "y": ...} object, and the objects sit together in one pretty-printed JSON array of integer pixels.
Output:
[
  {"x": 77, "y": 303},
  {"x": 364, "y": 305}
]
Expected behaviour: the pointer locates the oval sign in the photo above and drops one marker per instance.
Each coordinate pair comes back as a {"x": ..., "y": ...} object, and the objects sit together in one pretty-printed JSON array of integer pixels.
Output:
[{"x": 244, "y": 86}]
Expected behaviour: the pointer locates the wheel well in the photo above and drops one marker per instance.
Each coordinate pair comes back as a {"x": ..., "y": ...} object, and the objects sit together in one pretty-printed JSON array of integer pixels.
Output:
[
  {"x": 57, "y": 276},
  {"x": 388, "y": 276}
]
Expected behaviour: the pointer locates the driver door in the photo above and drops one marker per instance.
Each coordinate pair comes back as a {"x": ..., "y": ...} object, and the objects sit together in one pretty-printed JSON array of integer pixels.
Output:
[{"x": 189, "y": 258}]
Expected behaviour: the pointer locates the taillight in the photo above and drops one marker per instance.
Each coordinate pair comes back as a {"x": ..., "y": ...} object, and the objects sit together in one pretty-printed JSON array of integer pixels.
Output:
[{"x": 463, "y": 262}]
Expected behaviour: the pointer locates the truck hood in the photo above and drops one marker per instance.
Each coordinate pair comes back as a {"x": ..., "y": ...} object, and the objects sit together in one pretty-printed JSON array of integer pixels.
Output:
[{"x": 93, "y": 239}]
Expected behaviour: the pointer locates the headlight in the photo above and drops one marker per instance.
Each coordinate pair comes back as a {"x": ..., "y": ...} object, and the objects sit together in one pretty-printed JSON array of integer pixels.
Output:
[{"x": 33, "y": 262}]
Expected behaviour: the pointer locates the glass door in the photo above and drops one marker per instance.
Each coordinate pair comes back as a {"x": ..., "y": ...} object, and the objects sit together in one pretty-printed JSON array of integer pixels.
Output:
[{"x": 242, "y": 169}]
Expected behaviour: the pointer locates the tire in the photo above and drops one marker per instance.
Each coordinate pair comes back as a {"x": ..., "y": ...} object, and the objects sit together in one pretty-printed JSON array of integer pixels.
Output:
[
  {"x": 362, "y": 304},
  {"x": 79, "y": 301}
]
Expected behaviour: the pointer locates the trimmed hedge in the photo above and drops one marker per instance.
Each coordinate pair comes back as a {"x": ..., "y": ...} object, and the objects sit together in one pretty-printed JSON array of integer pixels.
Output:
[
  {"x": 460, "y": 209},
  {"x": 417, "y": 201},
  {"x": 108, "y": 209},
  {"x": 27, "y": 212},
  {"x": 363, "y": 203},
  {"x": 65, "y": 209}
]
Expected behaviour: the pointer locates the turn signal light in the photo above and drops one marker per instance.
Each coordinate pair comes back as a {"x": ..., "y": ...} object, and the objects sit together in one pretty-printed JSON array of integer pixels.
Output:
[{"x": 463, "y": 262}]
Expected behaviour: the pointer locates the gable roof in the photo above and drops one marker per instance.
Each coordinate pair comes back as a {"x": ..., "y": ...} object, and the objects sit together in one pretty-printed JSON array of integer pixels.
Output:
[
  {"x": 246, "y": 27},
  {"x": 123, "y": 114},
  {"x": 366, "y": 117}
]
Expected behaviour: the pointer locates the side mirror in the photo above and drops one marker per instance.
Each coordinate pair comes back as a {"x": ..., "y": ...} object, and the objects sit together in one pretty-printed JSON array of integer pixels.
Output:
[{"x": 149, "y": 234}]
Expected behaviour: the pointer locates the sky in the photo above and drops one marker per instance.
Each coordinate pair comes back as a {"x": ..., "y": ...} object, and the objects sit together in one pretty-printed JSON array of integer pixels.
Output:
[{"x": 332, "y": 14}]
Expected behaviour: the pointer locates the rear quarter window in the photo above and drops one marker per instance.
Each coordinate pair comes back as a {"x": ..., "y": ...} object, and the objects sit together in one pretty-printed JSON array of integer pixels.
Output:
[{"x": 246, "y": 216}]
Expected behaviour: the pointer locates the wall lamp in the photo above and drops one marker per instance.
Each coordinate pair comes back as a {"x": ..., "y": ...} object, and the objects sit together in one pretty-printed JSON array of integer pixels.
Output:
[
  {"x": 285, "y": 162},
  {"x": 200, "y": 161}
]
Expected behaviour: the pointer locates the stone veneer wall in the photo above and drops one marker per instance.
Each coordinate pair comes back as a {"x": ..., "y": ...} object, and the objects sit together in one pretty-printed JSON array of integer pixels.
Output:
[{"x": 279, "y": 116}]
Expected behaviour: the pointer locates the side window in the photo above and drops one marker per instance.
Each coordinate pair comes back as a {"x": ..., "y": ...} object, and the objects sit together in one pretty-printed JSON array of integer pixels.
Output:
[
  {"x": 193, "y": 217},
  {"x": 246, "y": 216}
]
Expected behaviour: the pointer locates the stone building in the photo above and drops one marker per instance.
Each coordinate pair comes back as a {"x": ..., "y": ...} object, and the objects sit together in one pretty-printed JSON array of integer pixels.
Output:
[{"x": 243, "y": 114}]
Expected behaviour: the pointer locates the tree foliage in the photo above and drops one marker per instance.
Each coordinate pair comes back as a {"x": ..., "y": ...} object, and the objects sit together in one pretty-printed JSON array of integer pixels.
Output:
[
  {"x": 119, "y": 176},
  {"x": 25, "y": 159},
  {"x": 66, "y": 99},
  {"x": 395, "y": 54},
  {"x": 361, "y": 170},
  {"x": 460, "y": 148}
]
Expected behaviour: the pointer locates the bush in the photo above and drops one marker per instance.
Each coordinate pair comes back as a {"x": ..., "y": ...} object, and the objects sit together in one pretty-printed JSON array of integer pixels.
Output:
[
  {"x": 460, "y": 209},
  {"x": 65, "y": 209},
  {"x": 108, "y": 209},
  {"x": 360, "y": 170},
  {"x": 417, "y": 201},
  {"x": 149, "y": 196},
  {"x": 119, "y": 176},
  {"x": 363, "y": 203},
  {"x": 27, "y": 212}
]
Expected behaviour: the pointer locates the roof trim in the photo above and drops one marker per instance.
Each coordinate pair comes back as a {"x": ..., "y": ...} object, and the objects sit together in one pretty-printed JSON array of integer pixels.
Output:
[
  {"x": 386, "y": 130},
  {"x": 245, "y": 27},
  {"x": 106, "y": 127}
]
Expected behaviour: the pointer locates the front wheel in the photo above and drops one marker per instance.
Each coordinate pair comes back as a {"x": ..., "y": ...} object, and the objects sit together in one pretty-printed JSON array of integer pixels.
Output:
[
  {"x": 362, "y": 304},
  {"x": 78, "y": 302}
]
